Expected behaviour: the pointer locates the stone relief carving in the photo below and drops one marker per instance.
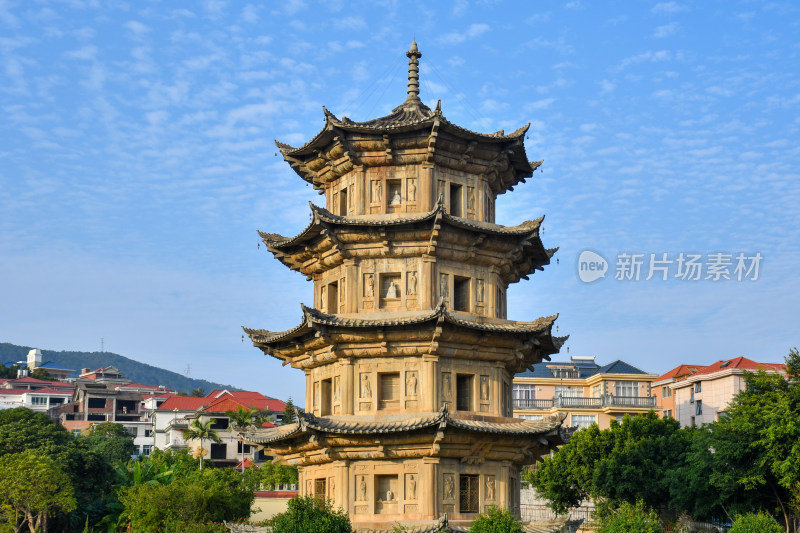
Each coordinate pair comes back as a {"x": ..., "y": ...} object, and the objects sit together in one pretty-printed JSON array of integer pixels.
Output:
[
  {"x": 470, "y": 198},
  {"x": 443, "y": 286},
  {"x": 490, "y": 487},
  {"x": 411, "y": 383},
  {"x": 412, "y": 189},
  {"x": 449, "y": 487},
  {"x": 412, "y": 283},
  {"x": 447, "y": 388},
  {"x": 395, "y": 198},
  {"x": 366, "y": 386},
  {"x": 369, "y": 285},
  {"x": 376, "y": 192},
  {"x": 479, "y": 291},
  {"x": 484, "y": 387},
  {"x": 362, "y": 489},
  {"x": 337, "y": 391},
  {"x": 412, "y": 487}
]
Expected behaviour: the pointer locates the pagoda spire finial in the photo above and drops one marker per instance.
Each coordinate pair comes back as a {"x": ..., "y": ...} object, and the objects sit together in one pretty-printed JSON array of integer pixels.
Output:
[{"x": 413, "y": 71}]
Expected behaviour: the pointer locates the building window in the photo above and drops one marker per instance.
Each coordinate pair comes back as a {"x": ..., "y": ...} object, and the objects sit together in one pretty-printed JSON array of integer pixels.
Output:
[
  {"x": 461, "y": 293},
  {"x": 325, "y": 393},
  {"x": 96, "y": 403},
  {"x": 530, "y": 417},
  {"x": 330, "y": 298},
  {"x": 583, "y": 421},
  {"x": 468, "y": 493},
  {"x": 56, "y": 401},
  {"x": 220, "y": 423},
  {"x": 464, "y": 392},
  {"x": 343, "y": 202},
  {"x": 699, "y": 408},
  {"x": 666, "y": 392},
  {"x": 38, "y": 400},
  {"x": 569, "y": 391},
  {"x": 691, "y": 398},
  {"x": 393, "y": 196},
  {"x": 667, "y": 413},
  {"x": 386, "y": 488},
  {"x": 523, "y": 391},
  {"x": 320, "y": 488},
  {"x": 455, "y": 200},
  {"x": 698, "y": 387},
  {"x": 627, "y": 389},
  {"x": 147, "y": 449},
  {"x": 148, "y": 432},
  {"x": 389, "y": 390},
  {"x": 243, "y": 448},
  {"x": 219, "y": 451},
  {"x": 76, "y": 432}
]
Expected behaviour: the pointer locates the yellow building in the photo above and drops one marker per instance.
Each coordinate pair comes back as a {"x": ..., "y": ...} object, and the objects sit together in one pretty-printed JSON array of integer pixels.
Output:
[
  {"x": 407, "y": 351},
  {"x": 583, "y": 391}
]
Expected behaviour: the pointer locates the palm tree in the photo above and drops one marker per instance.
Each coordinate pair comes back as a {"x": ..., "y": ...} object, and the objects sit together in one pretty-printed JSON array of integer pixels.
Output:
[
  {"x": 241, "y": 419},
  {"x": 201, "y": 430}
]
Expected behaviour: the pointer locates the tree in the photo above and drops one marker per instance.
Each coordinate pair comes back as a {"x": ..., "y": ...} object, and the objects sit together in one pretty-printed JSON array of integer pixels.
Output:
[
  {"x": 242, "y": 417},
  {"x": 311, "y": 515},
  {"x": 270, "y": 475},
  {"x": 288, "y": 412},
  {"x": 202, "y": 431},
  {"x": 496, "y": 520},
  {"x": 627, "y": 462},
  {"x": 40, "y": 373},
  {"x": 35, "y": 487},
  {"x": 755, "y": 523},
  {"x": 110, "y": 440},
  {"x": 199, "y": 392},
  {"x": 630, "y": 518}
]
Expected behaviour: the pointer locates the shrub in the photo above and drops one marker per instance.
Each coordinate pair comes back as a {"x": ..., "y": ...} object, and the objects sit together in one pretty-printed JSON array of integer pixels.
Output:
[
  {"x": 496, "y": 520},
  {"x": 311, "y": 515},
  {"x": 628, "y": 518},
  {"x": 755, "y": 523}
]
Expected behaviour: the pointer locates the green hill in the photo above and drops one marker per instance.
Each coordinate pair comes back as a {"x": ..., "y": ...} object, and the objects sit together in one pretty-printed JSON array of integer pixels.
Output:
[{"x": 134, "y": 370}]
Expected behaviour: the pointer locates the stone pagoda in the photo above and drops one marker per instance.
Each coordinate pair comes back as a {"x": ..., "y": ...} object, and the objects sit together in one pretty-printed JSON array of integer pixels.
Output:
[{"x": 407, "y": 351}]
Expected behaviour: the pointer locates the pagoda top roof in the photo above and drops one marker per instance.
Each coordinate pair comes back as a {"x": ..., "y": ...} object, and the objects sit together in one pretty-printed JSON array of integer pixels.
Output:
[
  {"x": 320, "y": 215},
  {"x": 314, "y": 317},
  {"x": 404, "y": 422}
]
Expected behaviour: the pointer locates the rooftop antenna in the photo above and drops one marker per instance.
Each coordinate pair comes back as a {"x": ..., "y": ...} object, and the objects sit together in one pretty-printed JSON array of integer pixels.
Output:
[{"x": 102, "y": 345}]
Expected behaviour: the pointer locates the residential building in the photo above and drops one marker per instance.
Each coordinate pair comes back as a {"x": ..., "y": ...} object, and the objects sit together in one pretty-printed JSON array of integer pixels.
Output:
[
  {"x": 665, "y": 397},
  {"x": 702, "y": 397},
  {"x": 582, "y": 390},
  {"x": 177, "y": 413},
  {"x": 36, "y": 394},
  {"x": 34, "y": 362}
]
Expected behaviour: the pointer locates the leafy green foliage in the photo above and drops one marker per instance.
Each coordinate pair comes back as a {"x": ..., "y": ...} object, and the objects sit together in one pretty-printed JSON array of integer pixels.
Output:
[
  {"x": 755, "y": 523},
  {"x": 270, "y": 475},
  {"x": 36, "y": 487},
  {"x": 496, "y": 520},
  {"x": 198, "y": 392},
  {"x": 242, "y": 418},
  {"x": 311, "y": 515},
  {"x": 8, "y": 371},
  {"x": 630, "y": 518},
  {"x": 288, "y": 412},
  {"x": 623, "y": 463},
  {"x": 111, "y": 441},
  {"x": 201, "y": 496}
]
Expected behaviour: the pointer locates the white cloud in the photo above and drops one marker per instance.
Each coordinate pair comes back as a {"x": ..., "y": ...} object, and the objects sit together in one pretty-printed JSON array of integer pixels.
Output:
[
  {"x": 88, "y": 53},
  {"x": 606, "y": 86},
  {"x": 350, "y": 23},
  {"x": 475, "y": 30},
  {"x": 649, "y": 57},
  {"x": 137, "y": 28},
  {"x": 668, "y": 8},
  {"x": 544, "y": 103},
  {"x": 666, "y": 30}
]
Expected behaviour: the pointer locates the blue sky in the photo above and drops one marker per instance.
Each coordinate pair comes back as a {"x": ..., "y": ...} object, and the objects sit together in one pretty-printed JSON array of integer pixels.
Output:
[{"x": 137, "y": 162}]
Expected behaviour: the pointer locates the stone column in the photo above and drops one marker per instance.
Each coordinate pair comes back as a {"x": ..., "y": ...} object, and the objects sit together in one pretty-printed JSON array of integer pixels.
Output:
[
  {"x": 351, "y": 286},
  {"x": 429, "y": 384},
  {"x": 504, "y": 485},
  {"x": 427, "y": 188},
  {"x": 496, "y": 393},
  {"x": 347, "y": 391},
  {"x": 343, "y": 486},
  {"x": 426, "y": 286},
  {"x": 360, "y": 190},
  {"x": 428, "y": 491}
]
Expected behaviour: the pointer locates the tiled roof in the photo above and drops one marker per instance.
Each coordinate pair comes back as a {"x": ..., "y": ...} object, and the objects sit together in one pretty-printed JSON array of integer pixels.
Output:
[
  {"x": 312, "y": 316},
  {"x": 183, "y": 403},
  {"x": 680, "y": 370},
  {"x": 14, "y": 391},
  {"x": 49, "y": 390},
  {"x": 619, "y": 367},
  {"x": 400, "y": 423},
  {"x": 53, "y": 366},
  {"x": 247, "y": 463},
  {"x": 741, "y": 363}
]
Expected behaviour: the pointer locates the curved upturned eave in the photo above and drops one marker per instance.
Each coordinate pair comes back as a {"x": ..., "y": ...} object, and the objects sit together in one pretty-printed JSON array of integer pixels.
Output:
[
  {"x": 293, "y": 155},
  {"x": 313, "y": 318}
]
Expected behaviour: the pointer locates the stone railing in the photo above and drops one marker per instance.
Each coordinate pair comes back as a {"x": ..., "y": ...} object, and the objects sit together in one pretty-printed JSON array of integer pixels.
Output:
[{"x": 568, "y": 402}]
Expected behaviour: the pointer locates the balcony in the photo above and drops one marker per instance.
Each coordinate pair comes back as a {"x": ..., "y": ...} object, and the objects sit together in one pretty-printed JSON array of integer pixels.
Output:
[{"x": 567, "y": 402}]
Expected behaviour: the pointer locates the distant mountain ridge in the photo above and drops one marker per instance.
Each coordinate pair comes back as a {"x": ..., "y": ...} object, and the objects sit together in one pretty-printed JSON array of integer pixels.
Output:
[{"x": 133, "y": 370}]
